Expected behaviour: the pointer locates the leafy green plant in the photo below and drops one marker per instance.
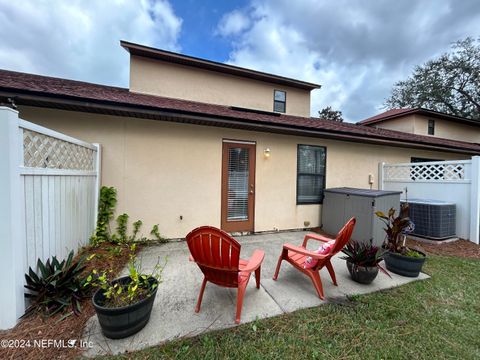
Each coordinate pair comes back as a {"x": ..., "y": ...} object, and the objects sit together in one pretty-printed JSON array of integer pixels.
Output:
[
  {"x": 156, "y": 234},
  {"x": 364, "y": 254},
  {"x": 138, "y": 287},
  {"x": 115, "y": 250},
  {"x": 136, "y": 228},
  {"x": 106, "y": 209},
  {"x": 413, "y": 253},
  {"x": 122, "y": 226},
  {"x": 57, "y": 286}
]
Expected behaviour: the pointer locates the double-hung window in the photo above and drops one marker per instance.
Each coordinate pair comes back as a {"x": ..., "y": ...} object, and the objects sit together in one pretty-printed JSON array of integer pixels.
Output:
[
  {"x": 311, "y": 161},
  {"x": 279, "y": 101},
  {"x": 431, "y": 127}
]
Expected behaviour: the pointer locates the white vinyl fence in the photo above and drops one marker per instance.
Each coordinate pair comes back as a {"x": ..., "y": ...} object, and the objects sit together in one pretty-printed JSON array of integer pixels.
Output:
[
  {"x": 49, "y": 185},
  {"x": 457, "y": 182}
]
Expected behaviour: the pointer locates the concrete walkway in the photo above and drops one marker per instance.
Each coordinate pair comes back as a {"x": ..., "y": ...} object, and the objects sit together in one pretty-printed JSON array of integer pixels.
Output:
[{"x": 173, "y": 313}]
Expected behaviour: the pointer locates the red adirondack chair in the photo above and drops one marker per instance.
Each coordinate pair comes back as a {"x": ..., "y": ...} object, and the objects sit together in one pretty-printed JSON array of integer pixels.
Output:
[
  {"x": 296, "y": 255},
  {"x": 218, "y": 256}
]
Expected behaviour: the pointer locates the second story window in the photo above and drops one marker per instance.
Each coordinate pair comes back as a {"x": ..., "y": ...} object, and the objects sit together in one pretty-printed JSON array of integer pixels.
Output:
[
  {"x": 431, "y": 127},
  {"x": 279, "y": 101}
]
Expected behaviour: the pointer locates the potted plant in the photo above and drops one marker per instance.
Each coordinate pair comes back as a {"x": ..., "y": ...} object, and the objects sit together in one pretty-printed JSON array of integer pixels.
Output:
[
  {"x": 363, "y": 261},
  {"x": 124, "y": 305},
  {"x": 400, "y": 259}
]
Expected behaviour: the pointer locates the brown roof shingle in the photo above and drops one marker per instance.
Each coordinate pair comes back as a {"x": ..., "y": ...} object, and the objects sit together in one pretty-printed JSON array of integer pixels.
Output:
[
  {"x": 392, "y": 113},
  {"x": 396, "y": 113},
  {"x": 28, "y": 87}
]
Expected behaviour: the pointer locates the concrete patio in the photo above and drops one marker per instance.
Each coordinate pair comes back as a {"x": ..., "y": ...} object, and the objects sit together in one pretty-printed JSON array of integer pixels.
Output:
[{"x": 173, "y": 313}]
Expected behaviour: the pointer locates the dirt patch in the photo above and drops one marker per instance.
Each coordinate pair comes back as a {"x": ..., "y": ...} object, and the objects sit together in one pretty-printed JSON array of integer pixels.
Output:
[
  {"x": 459, "y": 248},
  {"x": 40, "y": 328}
]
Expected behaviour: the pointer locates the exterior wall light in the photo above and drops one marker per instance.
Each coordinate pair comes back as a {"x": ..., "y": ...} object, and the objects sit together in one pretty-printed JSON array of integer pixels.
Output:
[{"x": 267, "y": 152}]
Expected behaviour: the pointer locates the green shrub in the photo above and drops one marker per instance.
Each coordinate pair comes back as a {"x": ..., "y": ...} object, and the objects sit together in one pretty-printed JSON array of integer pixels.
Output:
[
  {"x": 115, "y": 250},
  {"x": 57, "y": 286},
  {"x": 156, "y": 234},
  {"x": 136, "y": 228},
  {"x": 106, "y": 209},
  {"x": 122, "y": 226}
]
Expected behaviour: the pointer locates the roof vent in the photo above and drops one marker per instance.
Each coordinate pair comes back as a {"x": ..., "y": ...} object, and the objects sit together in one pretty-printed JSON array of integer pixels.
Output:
[{"x": 271, "y": 113}]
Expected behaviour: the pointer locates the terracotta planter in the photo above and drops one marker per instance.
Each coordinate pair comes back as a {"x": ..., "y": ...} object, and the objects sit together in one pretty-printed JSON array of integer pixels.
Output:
[
  {"x": 362, "y": 274},
  {"x": 118, "y": 323},
  {"x": 404, "y": 265}
]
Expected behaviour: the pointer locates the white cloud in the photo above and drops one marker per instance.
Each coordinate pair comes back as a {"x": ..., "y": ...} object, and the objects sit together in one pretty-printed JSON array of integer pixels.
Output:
[
  {"x": 80, "y": 39},
  {"x": 355, "y": 50},
  {"x": 233, "y": 23}
]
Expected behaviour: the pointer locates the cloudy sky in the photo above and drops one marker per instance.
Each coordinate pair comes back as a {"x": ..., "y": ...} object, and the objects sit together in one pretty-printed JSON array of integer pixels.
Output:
[{"x": 355, "y": 49}]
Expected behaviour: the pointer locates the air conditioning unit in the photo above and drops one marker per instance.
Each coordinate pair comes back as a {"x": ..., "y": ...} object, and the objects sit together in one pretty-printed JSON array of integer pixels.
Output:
[{"x": 433, "y": 219}]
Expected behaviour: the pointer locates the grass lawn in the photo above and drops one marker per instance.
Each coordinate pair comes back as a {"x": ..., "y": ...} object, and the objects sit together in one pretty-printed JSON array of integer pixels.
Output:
[{"x": 433, "y": 319}]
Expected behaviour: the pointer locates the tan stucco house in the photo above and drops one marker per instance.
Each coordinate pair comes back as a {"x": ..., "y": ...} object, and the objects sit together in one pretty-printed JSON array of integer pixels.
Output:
[
  {"x": 193, "y": 142},
  {"x": 426, "y": 122}
]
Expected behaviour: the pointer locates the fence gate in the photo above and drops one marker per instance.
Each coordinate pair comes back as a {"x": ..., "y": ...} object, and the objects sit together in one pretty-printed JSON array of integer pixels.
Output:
[{"x": 49, "y": 185}]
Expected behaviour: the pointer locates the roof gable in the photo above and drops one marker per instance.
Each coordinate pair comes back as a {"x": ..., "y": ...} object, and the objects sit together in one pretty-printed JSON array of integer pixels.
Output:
[{"x": 172, "y": 57}]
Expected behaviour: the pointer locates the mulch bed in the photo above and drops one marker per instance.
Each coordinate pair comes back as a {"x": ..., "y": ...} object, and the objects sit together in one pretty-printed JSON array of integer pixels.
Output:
[
  {"x": 459, "y": 248},
  {"x": 39, "y": 327}
]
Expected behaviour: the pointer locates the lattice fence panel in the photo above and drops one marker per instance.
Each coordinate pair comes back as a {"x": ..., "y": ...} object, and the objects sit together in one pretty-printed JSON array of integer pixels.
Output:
[
  {"x": 426, "y": 172},
  {"x": 43, "y": 151}
]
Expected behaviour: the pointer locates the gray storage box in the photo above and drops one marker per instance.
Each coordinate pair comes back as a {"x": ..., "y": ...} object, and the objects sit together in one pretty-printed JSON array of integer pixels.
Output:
[{"x": 340, "y": 204}]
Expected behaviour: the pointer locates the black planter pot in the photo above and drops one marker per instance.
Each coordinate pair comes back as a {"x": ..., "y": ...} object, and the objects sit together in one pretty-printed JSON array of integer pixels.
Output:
[
  {"x": 118, "y": 323},
  {"x": 362, "y": 274},
  {"x": 404, "y": 265}
]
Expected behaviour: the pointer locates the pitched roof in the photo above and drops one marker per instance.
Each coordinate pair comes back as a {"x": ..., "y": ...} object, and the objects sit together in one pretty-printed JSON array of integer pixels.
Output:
[
  {"x": 43, "y": 91},
  {"x": 396, "y": 113},
  {"x": 168, "y": 56}
]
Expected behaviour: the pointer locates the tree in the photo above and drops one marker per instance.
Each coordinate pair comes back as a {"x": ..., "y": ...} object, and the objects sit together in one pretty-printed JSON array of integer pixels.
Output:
[
  {"x": 329, "y": 114},
  {"x": 449, "y": 84}
]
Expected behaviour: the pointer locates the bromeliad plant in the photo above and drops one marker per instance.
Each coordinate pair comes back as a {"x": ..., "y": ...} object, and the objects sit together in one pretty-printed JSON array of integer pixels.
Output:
[
  {"x": 139, "y": 285},
  {"x": 364, "y": 254},
  {"x": 57, "y": 287}
]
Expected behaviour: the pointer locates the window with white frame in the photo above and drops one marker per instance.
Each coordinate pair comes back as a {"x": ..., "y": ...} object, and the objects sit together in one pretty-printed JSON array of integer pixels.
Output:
[{"x": 279, "y": 101}]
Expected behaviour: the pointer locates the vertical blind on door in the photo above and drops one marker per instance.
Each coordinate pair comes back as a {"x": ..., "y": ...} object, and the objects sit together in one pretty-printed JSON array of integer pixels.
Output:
[
  {"x": 238, "y": 175},
  {"x": 310, "y": 174}
]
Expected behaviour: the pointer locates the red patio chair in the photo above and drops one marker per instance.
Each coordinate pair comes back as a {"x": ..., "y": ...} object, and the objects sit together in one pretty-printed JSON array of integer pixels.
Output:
[
  {"x": 218, "y": 256},
  {"x": 296, "y": 255}
]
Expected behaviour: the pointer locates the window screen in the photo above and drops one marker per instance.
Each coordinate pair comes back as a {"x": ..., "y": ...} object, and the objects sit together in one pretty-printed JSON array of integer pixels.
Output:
[
  {"x": 279, "y": 101},
  {"x": 310, "y": 174}
]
